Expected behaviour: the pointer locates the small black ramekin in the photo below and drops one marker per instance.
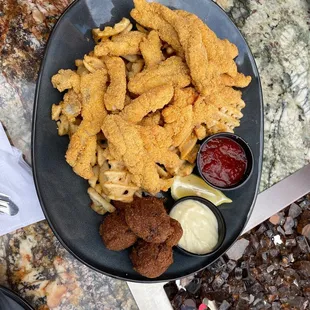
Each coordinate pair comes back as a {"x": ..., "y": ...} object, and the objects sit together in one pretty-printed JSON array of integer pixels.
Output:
[
  {"x": 248, "y": 152},
  {"x": 220, "y": 220}
]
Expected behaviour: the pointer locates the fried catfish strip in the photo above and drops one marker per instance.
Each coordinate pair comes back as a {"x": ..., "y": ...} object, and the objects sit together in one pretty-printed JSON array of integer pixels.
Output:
[
  {"x": 72, "y": 104},
  {"x": 191, "y": 40},
  {"x": 83, "y": 165},
  {"x": 121, "y": 45},
  {"x": 182, "y": 98},
  {"x": 93, "y": 86},
  {"x": 150, "y": 101},
  {"x": 220, "y": 52},
  {"x": 157, "y": 141},
  {"x": 151, "y": 119},
  {"x": 114, "y": 98},
  {"x": 182, "y": 127},
  {"x": 126, "y": 144},
  {"x": 151, "y": 49},
  {"x": 66, "y": 79},
  {"x": 239, "y": 80},
  {"x": 173, "y": 70},
  {"x": 147, "y": 17}
]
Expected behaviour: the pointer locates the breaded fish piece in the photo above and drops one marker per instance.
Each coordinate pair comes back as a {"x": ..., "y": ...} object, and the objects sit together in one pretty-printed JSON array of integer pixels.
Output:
[
  {"x": 151, "y": 119},
  {"x": 220, "y": 52},
  {"x": 121, "y": 45},
  {"x": 183, "y": 125},
  {"x": 240, "y": 80},
  {"x": 157, "y": 141},
  {"x": 151, "y": 49},
  {"x": 114, "y": 98},
  {"x": 147, "y": 17},
  {"x": 191, "y": 40},
  {"x": 126, "y": 144},
  {"x": 93, "y": 86},
  {"x": 150, "y": 101},
  {"x": 173, "y": 70},
  {"x": 182, "y": 98},
  {"x": 83, "y": 165},
  {"x": 66, "y": 79},
  {"x": 72, "y": 104}
]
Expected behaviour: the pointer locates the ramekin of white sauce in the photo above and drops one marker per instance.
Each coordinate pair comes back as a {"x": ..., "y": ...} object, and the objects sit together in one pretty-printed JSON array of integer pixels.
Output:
[{"x": 202, "y": 223}]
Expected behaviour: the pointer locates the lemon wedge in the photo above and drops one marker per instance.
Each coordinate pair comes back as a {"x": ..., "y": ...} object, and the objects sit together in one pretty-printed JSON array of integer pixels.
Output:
[{"x": 192, "y": 185}]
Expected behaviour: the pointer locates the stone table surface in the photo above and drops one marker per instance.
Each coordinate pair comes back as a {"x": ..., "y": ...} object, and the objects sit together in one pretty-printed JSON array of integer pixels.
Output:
[{"x": 278, "y": 34}]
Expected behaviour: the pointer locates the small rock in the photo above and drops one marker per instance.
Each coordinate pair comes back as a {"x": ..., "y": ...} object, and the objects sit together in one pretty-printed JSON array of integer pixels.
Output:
[
  {"x": 237, "y": 250},
  {"x": 306, "y": 231},
  {"x": 303, "y": 268},
  {"x": 304, "y": 220},
  {"x": 290, "y": 242},
  {"x": 224, "y": 305},
  {"x": 262, "y": 228},
  {"x": 288, "y": 225},
  {"x": 294, "y": 210},
  {"x": 218, "y": 282},
  {"x": 275, "y": 219},
  {"x": 194, "y": 286},
  {"x": 280, "y": 230},
  {"x": 231, "y": 264}
]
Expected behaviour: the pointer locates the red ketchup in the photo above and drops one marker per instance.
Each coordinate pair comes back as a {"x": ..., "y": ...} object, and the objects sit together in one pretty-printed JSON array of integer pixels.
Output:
[{"x": 223, "y": 162}]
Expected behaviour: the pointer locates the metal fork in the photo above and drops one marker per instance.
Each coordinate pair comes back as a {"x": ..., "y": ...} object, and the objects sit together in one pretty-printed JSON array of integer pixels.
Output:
[{"x": 7, "y": 206}]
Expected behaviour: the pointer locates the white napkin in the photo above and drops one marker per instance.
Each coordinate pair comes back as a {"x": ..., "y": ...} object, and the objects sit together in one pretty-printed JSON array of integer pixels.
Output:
[{"x": 17, "y": 182}]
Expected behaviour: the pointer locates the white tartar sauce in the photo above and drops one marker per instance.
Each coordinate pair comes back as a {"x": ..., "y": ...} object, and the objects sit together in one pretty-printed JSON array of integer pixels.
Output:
[{"x": 200, "y": 226}]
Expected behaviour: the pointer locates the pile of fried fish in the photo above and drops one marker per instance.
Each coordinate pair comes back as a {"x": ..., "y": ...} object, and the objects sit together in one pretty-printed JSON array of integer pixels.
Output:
[{"x": 138, "y": 104}]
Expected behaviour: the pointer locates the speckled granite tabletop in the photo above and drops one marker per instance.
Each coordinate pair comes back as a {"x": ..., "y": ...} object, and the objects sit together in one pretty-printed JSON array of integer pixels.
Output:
[{"x": 32, "y": 261}]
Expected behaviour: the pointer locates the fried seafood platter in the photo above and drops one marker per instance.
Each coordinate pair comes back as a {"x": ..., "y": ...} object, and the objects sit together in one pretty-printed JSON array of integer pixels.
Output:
[{"x": 136, "y": 108}]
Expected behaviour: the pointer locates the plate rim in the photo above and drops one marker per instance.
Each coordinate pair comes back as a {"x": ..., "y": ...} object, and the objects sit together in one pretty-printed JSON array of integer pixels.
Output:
[
  {"x": 34, "y": 170},
  {"x": 20, "y": 300}
]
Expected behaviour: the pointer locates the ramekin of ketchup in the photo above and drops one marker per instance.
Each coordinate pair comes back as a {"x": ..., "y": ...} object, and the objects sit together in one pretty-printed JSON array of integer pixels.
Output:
[{"x": 225, "y": 161}]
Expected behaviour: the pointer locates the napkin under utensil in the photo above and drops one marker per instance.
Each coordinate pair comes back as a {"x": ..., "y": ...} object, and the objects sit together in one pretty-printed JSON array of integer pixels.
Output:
[{"x": 16, "y": 181}]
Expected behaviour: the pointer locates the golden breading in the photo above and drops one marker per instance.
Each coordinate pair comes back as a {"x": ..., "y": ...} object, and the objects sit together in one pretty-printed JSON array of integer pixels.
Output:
[
  {"x": 150, "y": 101},
  {"x": 220, "y": 52},
  {"x": 134, "y": 122},
  {"x": 191, "y": 41},
  {"x": 121, "y": 45},
  {"x": 93, "y": 87},
  {"x": 182, "y": 98},
  {"x": 157, "y": 141},
  {"x": 147, "y": 17},
  {"x": 182, "y": 127},
  {"x": 240, "y": 80},
  {"x": 173, "y": 70},
  {"x": 151, "y": 119},
  {"x": 93, "y": 112},
  {"x": 114, "y": 98},
  {"x": 72, "y": 105},
  {"x": 66, "y": 79},
  {"x": 125, "y": 144},
  {"x": 83, "y": 165},
  {"x": 151, "y": 49}
]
